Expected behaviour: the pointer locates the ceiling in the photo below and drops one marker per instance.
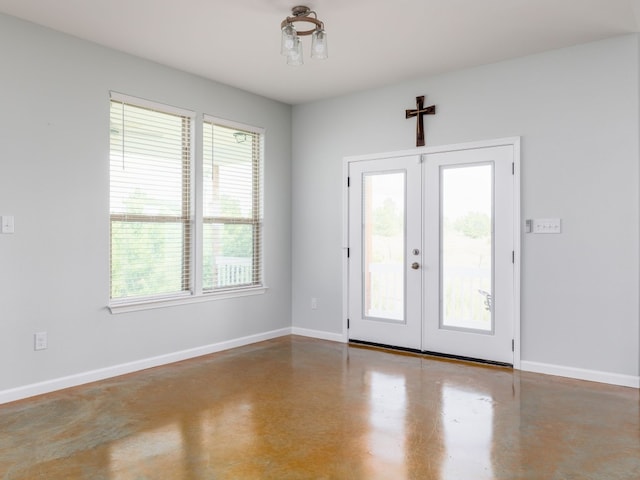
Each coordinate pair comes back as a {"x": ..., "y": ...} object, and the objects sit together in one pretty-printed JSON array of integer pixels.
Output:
[{"x": 371, "y": 43}]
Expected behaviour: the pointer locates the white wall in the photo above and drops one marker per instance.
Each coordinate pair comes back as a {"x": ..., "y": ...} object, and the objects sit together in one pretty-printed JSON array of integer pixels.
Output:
[
  {"x": 576, "y": 110},
  {"x": 54, "y": 271}
]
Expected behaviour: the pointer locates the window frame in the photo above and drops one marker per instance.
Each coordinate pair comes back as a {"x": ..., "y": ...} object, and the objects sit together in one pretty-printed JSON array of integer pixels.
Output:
[
  {"x": 257, "y": 218},
  {"x": 194, "y": 247}
]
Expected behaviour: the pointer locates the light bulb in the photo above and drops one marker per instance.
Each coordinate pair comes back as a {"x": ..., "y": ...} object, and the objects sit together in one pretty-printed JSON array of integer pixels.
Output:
[
  {"x": 294, "y": 57},
  {"x": 319, "y": 44},
  {"x": 289, "y": 36}
]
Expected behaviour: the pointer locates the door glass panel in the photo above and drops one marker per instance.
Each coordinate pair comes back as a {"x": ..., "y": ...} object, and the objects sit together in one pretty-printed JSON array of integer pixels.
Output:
[
  {"x": 384, "y": 245},
  {"x": 467, "y": 247}
]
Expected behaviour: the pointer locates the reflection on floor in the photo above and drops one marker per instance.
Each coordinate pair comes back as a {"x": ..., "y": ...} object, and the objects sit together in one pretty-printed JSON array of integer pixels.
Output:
[{"x": 299, "y": 408}]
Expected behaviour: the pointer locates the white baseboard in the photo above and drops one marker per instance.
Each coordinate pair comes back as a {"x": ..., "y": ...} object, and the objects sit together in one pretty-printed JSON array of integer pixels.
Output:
[
  {"x": 48, "y": 386},
  {"x": 581, "y": 374},
  {"x": 305, "y": 332}
]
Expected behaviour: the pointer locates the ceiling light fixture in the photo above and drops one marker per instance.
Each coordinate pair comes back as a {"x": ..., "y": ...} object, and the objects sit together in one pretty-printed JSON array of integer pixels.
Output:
[
  {"x": 291, "y": 46},
  {"x": 240, "y": 137}
]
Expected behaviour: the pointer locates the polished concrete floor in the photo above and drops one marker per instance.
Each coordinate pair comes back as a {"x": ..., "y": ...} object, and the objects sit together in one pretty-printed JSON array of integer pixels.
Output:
[{"x": 298, "y": 408}]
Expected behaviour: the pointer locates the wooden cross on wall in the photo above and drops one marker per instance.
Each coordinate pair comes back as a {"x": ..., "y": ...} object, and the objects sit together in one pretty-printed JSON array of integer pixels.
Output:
[{"x": 419, "y": 112}]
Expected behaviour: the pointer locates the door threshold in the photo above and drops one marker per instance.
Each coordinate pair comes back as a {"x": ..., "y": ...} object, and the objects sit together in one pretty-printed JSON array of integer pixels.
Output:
[{"x": 431, "y": 354}]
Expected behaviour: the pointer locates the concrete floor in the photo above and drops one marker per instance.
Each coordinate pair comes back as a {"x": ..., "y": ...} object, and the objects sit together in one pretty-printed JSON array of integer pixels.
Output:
[{"x": 299, "y": 408}]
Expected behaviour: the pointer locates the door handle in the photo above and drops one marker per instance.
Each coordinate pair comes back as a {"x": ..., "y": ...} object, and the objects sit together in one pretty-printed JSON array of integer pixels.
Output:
[{"x": 415, "y": 265}]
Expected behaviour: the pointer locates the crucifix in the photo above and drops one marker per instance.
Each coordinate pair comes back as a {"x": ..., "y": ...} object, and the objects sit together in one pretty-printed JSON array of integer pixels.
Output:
[{"x": 420, "y": 112}]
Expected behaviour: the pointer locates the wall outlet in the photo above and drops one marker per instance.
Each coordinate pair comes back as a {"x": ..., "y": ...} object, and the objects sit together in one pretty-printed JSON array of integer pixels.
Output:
[
  {"x": 40, "y": 341},
  {"x": 314, "y": 303}
]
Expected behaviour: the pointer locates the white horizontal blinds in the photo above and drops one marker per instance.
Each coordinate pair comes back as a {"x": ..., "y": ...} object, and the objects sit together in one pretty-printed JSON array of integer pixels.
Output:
[
  {"x": 150, "y": 201},
  {"x": 232, "y": 207}
]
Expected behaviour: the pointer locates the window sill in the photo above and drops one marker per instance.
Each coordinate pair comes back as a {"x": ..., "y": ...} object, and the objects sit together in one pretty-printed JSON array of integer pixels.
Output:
[{"x": 149, "y": 304}]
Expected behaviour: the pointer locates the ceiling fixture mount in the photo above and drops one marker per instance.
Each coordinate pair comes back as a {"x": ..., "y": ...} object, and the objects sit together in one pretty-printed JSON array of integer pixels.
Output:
[{"x": 291, "y": 46}]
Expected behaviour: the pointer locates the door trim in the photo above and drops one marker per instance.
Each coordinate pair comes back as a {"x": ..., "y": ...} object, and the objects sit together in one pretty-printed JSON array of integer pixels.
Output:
[{"x": 514, "y": 142}]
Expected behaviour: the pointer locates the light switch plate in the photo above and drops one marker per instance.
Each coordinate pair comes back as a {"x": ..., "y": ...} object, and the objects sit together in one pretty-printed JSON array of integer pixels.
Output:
[
  {"x": 7, "y": 224},
  {"x": 547, "y": 225},
  {"x": 40, "y": 341}
]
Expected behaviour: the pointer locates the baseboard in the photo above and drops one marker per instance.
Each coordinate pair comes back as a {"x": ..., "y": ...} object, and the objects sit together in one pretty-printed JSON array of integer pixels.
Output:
[
  {"x": 305, "y": 332},
  {"x": 53, "y": 385},
  {"x": 581, "y": 374}
]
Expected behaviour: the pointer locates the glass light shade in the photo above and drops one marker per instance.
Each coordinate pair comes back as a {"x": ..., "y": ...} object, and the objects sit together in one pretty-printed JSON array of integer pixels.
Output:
[
  {"x": 319, "y": 45},
  {"x": 289, "y": 36},
  {"x": 294, "y": 57}
]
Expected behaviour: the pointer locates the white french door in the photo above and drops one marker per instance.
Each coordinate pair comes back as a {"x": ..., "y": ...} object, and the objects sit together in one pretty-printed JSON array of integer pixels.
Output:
[
  {"x": 432, "y": 252},
  {"x": 385, "y": 206}
]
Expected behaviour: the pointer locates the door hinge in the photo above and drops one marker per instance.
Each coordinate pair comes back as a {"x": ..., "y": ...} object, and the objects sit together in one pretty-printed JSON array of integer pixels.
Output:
[
  {"x": 348, "y": 323},
  {"x": 348, "y": 182},
  {"x": 513, "y": 345},
  {"x": 513, "y": 168},
  {"x": 513, "y": 256},
  {"x": 348, "y": 252}
]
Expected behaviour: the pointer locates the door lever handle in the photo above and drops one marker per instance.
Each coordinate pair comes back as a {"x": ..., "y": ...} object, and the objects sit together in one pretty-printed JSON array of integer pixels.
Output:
[{"x": 415, "y": 265}]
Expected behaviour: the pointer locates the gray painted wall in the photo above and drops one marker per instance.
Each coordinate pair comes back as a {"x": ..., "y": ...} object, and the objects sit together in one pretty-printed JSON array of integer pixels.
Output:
[
  {"x": 576, "y": 110},
  {"x": 54, "y": 271}
]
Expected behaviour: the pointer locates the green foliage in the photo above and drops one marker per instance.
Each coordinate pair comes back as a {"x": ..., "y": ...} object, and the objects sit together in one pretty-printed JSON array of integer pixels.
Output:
[
  {"x": 474, "y": 225},
  {"x": 387, "y": 220},
  {"x": 238, "y": 241},
  {"x": 146, "y": 259}
]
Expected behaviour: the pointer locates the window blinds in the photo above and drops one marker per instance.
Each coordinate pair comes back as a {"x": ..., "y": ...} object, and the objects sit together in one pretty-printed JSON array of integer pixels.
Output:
[
  {"x": 232, "y": 206},
  {"x": 150, "y": 201}
]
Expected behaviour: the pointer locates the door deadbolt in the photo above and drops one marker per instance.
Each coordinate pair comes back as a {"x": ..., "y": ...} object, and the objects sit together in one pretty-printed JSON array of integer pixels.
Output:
[{"x": 416, "y": 251}]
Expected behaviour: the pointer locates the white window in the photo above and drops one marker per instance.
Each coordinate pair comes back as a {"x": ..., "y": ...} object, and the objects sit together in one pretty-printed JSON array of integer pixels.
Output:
[
  {"x": 168, "y": 244},
  {"x": 232, "y": 206}
]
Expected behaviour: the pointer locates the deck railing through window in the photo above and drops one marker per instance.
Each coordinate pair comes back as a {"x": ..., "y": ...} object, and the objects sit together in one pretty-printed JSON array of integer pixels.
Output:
[
  {"x": 466, "y": 293},
  {"x": 233, "y": 271}
]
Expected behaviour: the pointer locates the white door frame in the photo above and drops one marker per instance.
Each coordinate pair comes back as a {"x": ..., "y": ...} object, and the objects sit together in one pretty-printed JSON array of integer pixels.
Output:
[{"x": 514, "y": 142}]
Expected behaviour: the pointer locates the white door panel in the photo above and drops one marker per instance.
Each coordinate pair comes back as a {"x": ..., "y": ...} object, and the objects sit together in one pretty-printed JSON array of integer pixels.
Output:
[{"x": 468, "y": 272}]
